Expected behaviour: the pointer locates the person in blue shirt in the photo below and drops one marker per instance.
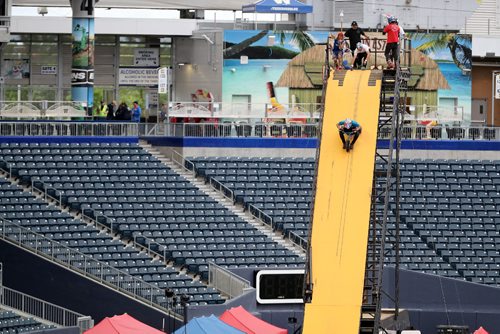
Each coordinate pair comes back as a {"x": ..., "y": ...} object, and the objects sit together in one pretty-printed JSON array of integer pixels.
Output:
[
  {"x": 136, "y": 112},
  {"x": 349, "y": 127},
  {"x": 337, "y": 47}
]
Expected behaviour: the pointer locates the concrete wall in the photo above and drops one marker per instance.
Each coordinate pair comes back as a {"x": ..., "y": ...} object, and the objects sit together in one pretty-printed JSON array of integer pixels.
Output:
[{"x": 202, "y": 69}]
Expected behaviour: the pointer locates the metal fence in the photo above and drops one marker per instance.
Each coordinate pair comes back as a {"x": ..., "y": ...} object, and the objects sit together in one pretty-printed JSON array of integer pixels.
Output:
[
  {"x": 445, "y": 133},
  {"x": 38, "y": 308},
  {"x": 252, "y": 128},
  {"x": 243, "y": 110},
  {"x": 66, "y": 129},
  {"x": 280, "y": 130},
  {"x": 225, "y": 281},
  {"x": 83, "y": 264}
]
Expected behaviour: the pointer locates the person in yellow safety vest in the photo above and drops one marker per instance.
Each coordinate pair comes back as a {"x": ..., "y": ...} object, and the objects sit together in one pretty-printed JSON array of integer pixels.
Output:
[{"x": 102, "y": 111}]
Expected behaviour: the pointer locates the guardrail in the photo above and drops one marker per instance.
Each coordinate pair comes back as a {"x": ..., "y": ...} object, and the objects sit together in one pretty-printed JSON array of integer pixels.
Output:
[
  {"x": 261, "y": 215},
  {"x": 93, "y": 269},
  {"x": 445, "y": 132},
  {"x": 42, "y": 109},
  {"x": 243, "y": 110},
  {"x": 254, "y": 128},
  {"x": 297, "y": 240},
  {"x": 228, "y": 129},
  {"x": 66, "y": 129},
  {"x": 222, "y": 189},
  {"x": 297, "y": 130},
  {"x": 225, "y": 281},
  {"x": 182, "y": 162},
  {"x": 38, "y": 308}
]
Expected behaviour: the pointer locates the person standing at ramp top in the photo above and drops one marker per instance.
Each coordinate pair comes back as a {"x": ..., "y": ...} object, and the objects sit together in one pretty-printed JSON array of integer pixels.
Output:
[
  {"x": 354, "y": 34},
  {"x": 392, "y": 47}
]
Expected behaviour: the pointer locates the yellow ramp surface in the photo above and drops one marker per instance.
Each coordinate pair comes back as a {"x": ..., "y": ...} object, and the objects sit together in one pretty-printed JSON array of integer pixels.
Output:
[{"x": 342, "y": 208}]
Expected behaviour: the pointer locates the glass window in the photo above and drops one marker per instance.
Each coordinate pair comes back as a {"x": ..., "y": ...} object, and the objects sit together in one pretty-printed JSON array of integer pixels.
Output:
[
  {"x": 105, "y": 40},
  {"x": 166, "y": 55},
  {"x": 40, "y": 93},
  {"x": 13, "y": 92}
]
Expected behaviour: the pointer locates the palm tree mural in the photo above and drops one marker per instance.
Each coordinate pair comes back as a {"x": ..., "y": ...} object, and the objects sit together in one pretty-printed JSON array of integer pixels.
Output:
[
  {"x": 459, "y": 46},
  {"x": 299, "y": 38}
]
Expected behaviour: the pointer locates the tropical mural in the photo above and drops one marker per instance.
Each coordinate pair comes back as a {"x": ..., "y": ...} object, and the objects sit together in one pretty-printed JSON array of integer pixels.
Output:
[
  {"x": 453, "y": 55},
  {"x": 292, "y": 61}
]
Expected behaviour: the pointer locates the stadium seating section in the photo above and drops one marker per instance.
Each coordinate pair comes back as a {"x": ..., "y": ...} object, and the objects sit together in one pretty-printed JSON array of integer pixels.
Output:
[
  {"x": 12, "y": 323},
  {"x": 450, "y": 210},
  {"x": 144, "y": 199}
]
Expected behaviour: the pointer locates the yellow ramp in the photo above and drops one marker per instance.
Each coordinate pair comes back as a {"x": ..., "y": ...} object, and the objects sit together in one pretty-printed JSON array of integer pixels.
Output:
[{"x": 342, "y": 208}]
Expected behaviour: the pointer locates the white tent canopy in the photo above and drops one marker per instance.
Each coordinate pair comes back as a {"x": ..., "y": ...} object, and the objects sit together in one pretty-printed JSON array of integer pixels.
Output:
[{"x": 153, "y": 4}]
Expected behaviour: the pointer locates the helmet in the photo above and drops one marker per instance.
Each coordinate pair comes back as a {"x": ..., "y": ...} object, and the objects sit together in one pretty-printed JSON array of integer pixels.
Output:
[
  {"x": 359, "y": 45},
  {"x": 392, "y": 19},
  {"x": 347, "y": 123},
  {"x": 354, "y": 23}
]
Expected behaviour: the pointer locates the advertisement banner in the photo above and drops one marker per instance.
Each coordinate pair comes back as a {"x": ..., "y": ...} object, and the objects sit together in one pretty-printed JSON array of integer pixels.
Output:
[
  {"x": 135, "y": 76},
  {"x": 16, "y": 68},
  {"x": 147, "y": 57},
  {"x": 80, "y": 77},
  {"x": 163, "y": 80},
  {"x": 83, "y": 43}
]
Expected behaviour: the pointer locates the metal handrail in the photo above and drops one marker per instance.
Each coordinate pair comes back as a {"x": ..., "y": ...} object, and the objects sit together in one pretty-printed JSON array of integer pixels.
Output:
[
  {"x": 38, "y": 308},
  {"x": 180, "y": 161},
  {"x": 294, "y": 237},
  {"x": 222, "y": 189},
  {"x": 252, "y": 209},
  {"x": 81, "y": 263},
  {"x": 9, "y": 172},
  {"x": 225, "y": 281},
  {"x": 243, "y": 110}
]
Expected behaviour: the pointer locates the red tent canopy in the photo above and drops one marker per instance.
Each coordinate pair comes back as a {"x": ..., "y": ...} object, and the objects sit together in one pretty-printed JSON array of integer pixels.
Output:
[
  {"x": 122, "y": 324},
  {"x": 480, "y": 330},
  {"x": 241, "y": 319}
]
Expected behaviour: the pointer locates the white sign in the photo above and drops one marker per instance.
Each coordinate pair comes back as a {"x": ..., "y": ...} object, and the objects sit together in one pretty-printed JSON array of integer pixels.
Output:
[
  {"x": 153, "y": 98},
  {"x": 163, "y": 80},
  {"x": 497, "y": 86},
  {"x": 133, "y": 76},
  {"x": 48, "y": 70},
  {"x": 147, "y": 57}
]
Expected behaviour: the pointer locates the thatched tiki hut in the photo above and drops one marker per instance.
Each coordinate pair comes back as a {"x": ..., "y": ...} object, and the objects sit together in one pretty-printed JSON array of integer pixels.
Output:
[{"x": 303, "y": 76}]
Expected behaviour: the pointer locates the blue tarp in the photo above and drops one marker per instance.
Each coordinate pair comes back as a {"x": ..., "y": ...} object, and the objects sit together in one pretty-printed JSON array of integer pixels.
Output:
[
  {"x": 207, "y": 325},
  {"x": 278, "y": 6}
]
